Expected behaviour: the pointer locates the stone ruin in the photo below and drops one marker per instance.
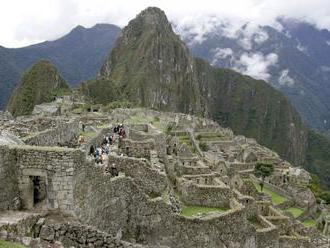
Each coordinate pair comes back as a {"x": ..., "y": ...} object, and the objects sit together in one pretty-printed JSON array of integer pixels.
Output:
[{"x": 53, "y": 194}]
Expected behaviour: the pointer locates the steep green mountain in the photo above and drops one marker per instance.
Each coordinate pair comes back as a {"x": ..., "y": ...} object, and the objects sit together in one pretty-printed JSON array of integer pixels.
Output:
[
  {"x": 78, "y": 55},
  {"x": 39, "y": 84},
  {"x": 253, "y": 108},
  {"x": 318, "y": 157},
  {"x": 150, "y": 66}
]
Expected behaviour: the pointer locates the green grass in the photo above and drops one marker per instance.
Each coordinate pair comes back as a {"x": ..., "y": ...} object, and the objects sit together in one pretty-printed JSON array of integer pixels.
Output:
[
  {"x": 6, "y": 244},
  {"x": 276, "y": 198},
  {"x": 309, "y": 222},
  {"x": 190, "y": 211},
  {"x": 295, "y": 211},
  {"x": 88, "y": 134},
  {"x": 139, "y": 119},
  {"x": 209, "y": 137}
]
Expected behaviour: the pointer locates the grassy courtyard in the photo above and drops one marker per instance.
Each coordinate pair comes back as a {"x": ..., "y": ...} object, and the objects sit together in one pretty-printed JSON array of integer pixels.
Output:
[
  {"x": 295, "y": 211},
  {"x": 309, "y": 222},
  {"x": 191, "y": 211},
  {"x": 276, "y": 198},
  {"x": 6, "y": 244}
]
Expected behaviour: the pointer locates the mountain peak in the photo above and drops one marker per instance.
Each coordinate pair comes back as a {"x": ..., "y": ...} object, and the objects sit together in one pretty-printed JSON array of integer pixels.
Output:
[
  {"x": 151, "y": 66},
  {"x": 41, "y": 83},
  {"x": 153, "y": 15},
  {"x": 151, "y": 19}
]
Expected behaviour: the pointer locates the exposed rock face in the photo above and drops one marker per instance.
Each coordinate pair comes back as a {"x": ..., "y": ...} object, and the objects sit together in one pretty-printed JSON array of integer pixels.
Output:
[
  {"x": 152, "y": 67},
  {"x": 6, "y": 138},
  {"x": 40, "y": 84}
]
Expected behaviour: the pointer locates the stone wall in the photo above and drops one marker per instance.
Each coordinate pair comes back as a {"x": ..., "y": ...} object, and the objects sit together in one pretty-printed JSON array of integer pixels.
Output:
[
  {"x": 118, "y": 206},
  {"x": 268, "y": 236},
  {"x": 77, "y": 235},
  {"x": 17, "y": 231},
  {"x": 137, "y": 149},
  {"x": 56, "y": 167},
  {"x": 9, "y": 191},
  {"x": 295, "y": 242},
  {"x": 62, "y": 134},
  {"x": 142, "y": 134},
  {"x": 150, "y": 180},
  {"x": 206, "y": 195}
]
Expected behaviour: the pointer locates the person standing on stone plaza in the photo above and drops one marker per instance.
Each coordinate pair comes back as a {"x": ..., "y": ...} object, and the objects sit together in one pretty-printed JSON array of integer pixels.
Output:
[
  {"x": 114, "y": 171},
  {"x": 91, "y": 150},
  {"x": 83, "y": 127}
]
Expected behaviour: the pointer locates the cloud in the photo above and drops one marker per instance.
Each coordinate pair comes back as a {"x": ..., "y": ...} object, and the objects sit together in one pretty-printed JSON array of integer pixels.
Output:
[
  {"x": 220, "y": 54},
  {"x": 301, "y": 48},
  {"x": 256, "y": 65},
  {"x": 285, "y": 79},
  {"x": 26, "y": 22}
]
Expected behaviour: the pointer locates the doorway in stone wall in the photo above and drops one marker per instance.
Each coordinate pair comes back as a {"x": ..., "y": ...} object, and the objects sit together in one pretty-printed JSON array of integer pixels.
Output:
[{"x": 39, "y": 190}]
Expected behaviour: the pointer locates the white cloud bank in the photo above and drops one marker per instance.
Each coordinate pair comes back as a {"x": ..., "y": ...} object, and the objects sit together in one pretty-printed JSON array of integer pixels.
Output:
[
  {"x": 285, "y": 79},
  {"x": 24, "y": 22},
  {"x": 256, "y": 65}
]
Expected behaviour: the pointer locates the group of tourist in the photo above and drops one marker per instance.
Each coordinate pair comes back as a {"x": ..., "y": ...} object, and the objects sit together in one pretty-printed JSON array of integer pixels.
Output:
[
  {"x": 101, "y": 153},
  {"x": 120, "y": 130}
]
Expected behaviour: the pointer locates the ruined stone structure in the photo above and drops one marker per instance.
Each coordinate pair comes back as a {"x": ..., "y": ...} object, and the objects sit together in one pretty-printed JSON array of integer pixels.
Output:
[{"x": 162, "y": 171}]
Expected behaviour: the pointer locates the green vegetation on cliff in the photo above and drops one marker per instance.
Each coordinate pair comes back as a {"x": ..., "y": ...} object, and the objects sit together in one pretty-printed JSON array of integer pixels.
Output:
[
  {"x": 318, "y": 157},
  {"x": 253, "y": 108},
  {"x": 39, "y": 84}
]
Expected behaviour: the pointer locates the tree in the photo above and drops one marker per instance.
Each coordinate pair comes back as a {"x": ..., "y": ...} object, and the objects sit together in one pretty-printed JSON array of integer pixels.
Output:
[{"x": 263, "y": 170}]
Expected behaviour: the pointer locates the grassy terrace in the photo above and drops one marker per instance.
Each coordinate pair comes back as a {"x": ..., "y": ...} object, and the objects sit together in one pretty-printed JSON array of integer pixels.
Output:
[
  {"x": 309, "y": 222},
  {"x": 295, "y": 211},
  {"x": 6, "y": 244},
  {"x": 88, "y": 134},
  {"x": 186, "y": 140},
  {"x": 209, "y": 136},
  {"x": 139, "y": 119},
  {"x": 191, "y": 211},
  {"x": 276, "y": 198}
]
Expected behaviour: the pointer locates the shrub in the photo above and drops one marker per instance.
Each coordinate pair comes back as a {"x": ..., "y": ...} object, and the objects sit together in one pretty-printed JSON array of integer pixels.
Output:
[{"x": 204, "y": 146}]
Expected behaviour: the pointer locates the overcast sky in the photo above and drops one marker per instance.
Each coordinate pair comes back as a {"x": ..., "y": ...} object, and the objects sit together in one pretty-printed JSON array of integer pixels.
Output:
[{"x": 24, "y": 22}]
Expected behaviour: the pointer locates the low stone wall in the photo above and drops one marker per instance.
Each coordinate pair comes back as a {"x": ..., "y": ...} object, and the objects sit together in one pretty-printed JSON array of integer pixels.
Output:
[
  {"x": 58, "y": 136},
  {"x": 77, "y": 235},
  {"x": 191, "y": 170},
  {"x": 239, "y": 166},
  {"x": 18, "y": 231},
  {"x": 206, "y": 195},
  {"x": 268, "y": 236},
  {"x": 295, "y": 242},
  {"x": 137, "y": 149},
  {"x": 150, "y": 180}
]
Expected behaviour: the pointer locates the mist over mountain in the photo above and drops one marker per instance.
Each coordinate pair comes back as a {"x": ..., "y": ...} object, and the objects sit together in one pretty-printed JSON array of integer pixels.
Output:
[
  {"x": 293, "y": 57},
  {"x": 78, "y": 56}
]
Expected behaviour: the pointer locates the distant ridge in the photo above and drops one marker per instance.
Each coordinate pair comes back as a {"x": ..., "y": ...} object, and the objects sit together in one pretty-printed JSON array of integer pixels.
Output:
[{"x": 78, "y": 56}]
